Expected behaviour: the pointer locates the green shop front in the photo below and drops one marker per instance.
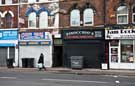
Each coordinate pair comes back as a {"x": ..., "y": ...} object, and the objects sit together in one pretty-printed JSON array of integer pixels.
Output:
[{"x": 85, "y": 43}]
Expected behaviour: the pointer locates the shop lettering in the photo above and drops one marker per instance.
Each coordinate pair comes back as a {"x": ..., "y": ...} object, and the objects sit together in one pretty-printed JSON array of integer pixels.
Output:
[
  {"x": 122, "y": 31},
  {"x": 79, "y": 33},
  {"x": 113, "y": 32},
  {"x": 127, "y": 31}
]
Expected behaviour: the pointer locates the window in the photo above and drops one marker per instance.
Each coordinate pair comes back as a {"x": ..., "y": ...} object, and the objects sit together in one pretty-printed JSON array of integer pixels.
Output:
[
  {"x": 133, "y": 15},
  {"x": 8, "y": 1},
  {"x": 32, "y": 20},
  {"x": 1, "y": 21},
  {"x": 43, "y": 20},
  {"x": 31, "y": 1},
  {"x": 122, "y": 15},
  {"x": 88, "y": 17},
  {"x": 75, "y": 18},
  {"x": 127, "y": 51},
  {"x": 41, "y": 0},
  {"x": 0, "y": 2},
  {"x": 8, "y": 20}
]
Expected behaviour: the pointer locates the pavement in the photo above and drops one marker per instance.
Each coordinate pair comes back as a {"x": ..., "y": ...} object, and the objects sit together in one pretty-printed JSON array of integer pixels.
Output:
[{"x": 86, "y": 71}]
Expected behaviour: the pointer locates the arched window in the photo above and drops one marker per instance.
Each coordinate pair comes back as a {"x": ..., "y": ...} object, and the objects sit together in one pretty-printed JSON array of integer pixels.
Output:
[
  {"x": 8, "y": 20},
  {"x": 88, "y": 17},
  {"x": 75, "y": 18},
  {"x": 43, "y": 20},
  {"x": 122, "y": 15},
  {"x": 31, "y": 1},
  {"x": 133, "y": 15},
  {"x": 32, "y": 20}
]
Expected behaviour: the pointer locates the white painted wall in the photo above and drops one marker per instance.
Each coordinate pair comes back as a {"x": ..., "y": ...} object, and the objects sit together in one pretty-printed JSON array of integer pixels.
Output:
[{"x": 34, "y": 52}]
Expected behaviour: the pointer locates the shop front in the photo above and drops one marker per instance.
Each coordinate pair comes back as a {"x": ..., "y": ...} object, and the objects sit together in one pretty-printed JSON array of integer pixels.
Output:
[
  {"x": 31, "y": 45},
  {"x": 121, "y": 48},
  {"x": 85, "y": 43},
  {"x": 8, "y": 47}
]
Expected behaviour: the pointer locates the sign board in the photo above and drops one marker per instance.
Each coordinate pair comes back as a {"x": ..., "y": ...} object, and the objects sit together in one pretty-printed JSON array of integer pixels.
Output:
[
  {"x": 34, "y": 36},
  {"x": 83, "y": 34},
  {"x": 120, "y": 34},
  {"x": 8, "y": 34}
]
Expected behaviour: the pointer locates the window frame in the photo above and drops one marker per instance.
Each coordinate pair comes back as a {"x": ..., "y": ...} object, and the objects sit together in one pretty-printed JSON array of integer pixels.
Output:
[
  {"x": 76, "y": 18},
  {"x": 120, "y": 15},
  {"x": 133, "y": 15},
  {"x": 7, "y": 2},
  {"x": 91, "y": 16},
  {"x": 32, "y": 1},
  {"x": 46, "y": 19},
  {"x": 9, "y": 22},
  {"x": 35, "y": 26}
]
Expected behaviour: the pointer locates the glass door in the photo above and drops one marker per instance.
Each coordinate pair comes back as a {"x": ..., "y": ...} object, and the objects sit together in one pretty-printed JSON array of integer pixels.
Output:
[{"x": 114, "y": 54}]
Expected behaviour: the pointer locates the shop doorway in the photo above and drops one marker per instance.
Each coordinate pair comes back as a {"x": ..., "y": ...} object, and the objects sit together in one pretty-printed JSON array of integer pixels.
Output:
[
  {"x": 6, "y": 53},
  {"x": 57, "y": 56}
]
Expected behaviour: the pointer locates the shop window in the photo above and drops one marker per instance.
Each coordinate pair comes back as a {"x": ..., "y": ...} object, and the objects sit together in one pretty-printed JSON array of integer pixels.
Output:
[
  {"x": 75, "y": 18},
  {"x": 8, "y": 20},
  {"x": 122, "y": 15},
  {"x": 43, "y": 20},
  {"x": 133, "y": 15},
  {"x": 32, "y": 20},
  {"x": 8, "y": 1},
  {"x": 127, "y": 51},
  {"x": 88, "y": 17}
]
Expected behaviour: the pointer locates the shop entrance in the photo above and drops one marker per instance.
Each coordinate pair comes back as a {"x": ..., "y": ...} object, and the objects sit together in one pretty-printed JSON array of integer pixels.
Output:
[
  {"x": 92, "y": 52},
  {"x": 57, "y": 56},
  {"x": 6, "y": 53}
]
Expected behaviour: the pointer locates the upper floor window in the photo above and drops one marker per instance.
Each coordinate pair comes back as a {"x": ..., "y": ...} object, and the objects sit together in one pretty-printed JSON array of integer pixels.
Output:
[
  {"x": 88, "y": 17},
  {"x": 31, "y": 1},
  {"x": 32, "y": 20},
  {"x": 122, "y": 15},
  {"x": 8, "y": 20},
  {"x": 133, "y": 15},
  {"x": 8, "y": 1},
  {"x": 75, "y": 18},
  {"x": 43, "y": 20},
  {"x": 0, "y": 2}
]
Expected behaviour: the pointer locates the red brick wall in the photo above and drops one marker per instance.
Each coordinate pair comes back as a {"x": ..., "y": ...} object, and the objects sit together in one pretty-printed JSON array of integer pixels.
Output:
[
  {"x": 111, "y": 8},
  {"x": 67, "y": 4}
]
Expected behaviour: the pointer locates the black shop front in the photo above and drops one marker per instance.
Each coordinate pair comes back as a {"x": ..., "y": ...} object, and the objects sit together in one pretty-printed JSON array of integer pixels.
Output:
[{"x": 88, "y": 43}]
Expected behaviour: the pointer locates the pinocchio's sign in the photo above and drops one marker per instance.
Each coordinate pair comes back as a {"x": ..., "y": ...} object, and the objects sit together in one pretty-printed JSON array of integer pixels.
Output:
[
  {"x": 83, "y": 34},
  {"x": 120, "y": 34}
]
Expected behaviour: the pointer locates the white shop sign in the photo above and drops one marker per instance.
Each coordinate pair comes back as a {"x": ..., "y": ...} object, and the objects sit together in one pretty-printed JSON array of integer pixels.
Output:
[{"x": 120, "y": 34}]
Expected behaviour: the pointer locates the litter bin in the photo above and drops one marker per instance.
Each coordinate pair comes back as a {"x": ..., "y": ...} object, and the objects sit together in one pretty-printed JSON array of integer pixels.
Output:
[
  {"x": 27, "y": 62},
  {"x": 77, "y": 62},
  {"x": 10, "y": 62}
]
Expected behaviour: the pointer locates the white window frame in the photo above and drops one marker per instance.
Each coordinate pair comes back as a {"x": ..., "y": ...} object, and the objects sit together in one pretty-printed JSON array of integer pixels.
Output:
[
  {"x": 31, "y": 1},
  {"x": 43, "y": 20},
  {"x": 0, "y": 2},
  {"x": 88, "y": 14},
  {"x": 124, "y": 14},
  {"x": 133, "y": 14},
  {"x": 75, "y": 16},
  {"x": 32, "y": 17},
  {"x": 8, "y": 2}
]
